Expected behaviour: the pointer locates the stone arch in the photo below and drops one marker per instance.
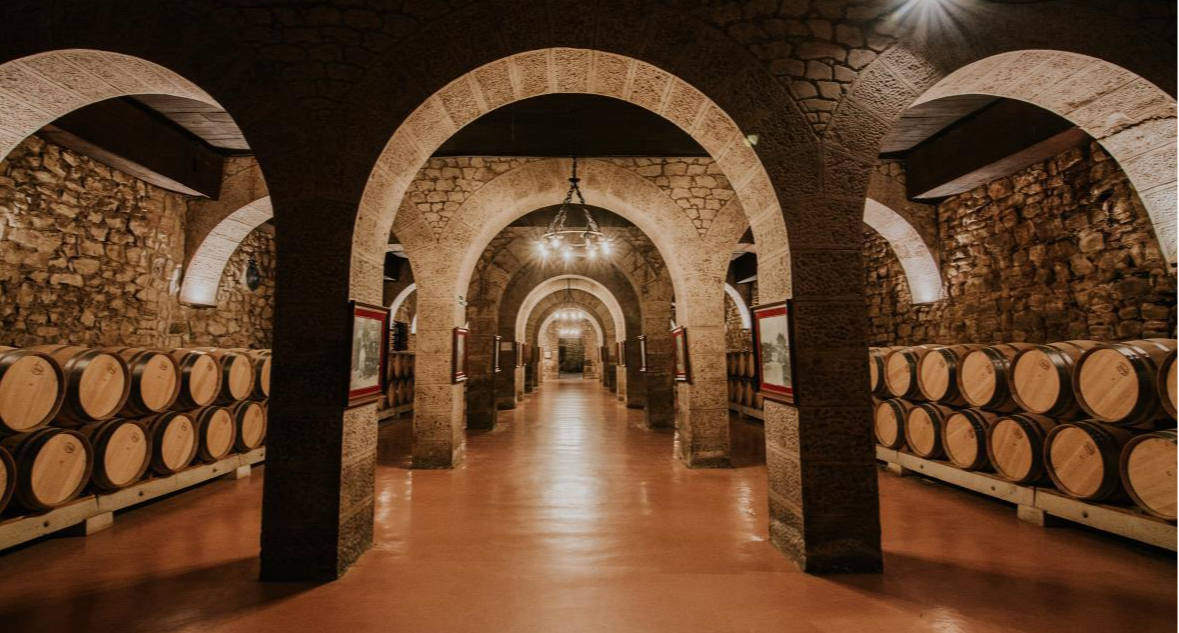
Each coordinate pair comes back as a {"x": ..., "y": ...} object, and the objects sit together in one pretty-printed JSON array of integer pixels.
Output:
[
  {"x": 565, "y": 70},
  {"x": 921, "y": 270},
  {"x": 38, "y": 89},
  {"x": 553, "y": 316},
  {"x": 204, "y": 270},
  {"x": 557, "y": 285},
  {"x": 400, "y": 299},
  {"x": 742, "y": 309},
  {"x": 1130, "y": 116}
]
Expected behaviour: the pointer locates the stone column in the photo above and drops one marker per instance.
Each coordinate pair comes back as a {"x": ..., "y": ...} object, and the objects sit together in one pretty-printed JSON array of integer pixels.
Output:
[
  {"x": 703, "y": 412},
  {"x": 480, "y": 389},
  {"x": 317, "y": 502},
  {"x": 439, "y": 403},
  {"x": 824, "y": 511},
  {"x": 505, "y": 385}
]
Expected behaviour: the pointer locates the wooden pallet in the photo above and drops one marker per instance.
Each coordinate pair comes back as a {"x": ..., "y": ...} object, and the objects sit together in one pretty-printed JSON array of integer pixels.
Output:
[
  {"x": 393, "y": 412},
  {"x": 1041, "y": 506},
  {"x": 92, "y": 513}
]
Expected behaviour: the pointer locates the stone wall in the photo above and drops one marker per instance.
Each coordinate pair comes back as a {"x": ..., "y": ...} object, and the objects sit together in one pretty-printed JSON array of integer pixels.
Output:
[
  {"x": 1061, "y": 250},
  {"x": 92, "y": 256},
  {"x": 242, "y": 317}
]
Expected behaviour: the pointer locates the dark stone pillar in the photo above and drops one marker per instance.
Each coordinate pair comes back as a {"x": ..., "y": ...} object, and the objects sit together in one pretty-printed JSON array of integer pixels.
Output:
[
  {"x": 636, "y": 381},
  {"x": 820, "y": 457},
  {"x": 660, "y": 411},
  {"x": 317, "y": 502},
  {"x": 505, "y": 387},
  {"x": 481, "y": 383}
]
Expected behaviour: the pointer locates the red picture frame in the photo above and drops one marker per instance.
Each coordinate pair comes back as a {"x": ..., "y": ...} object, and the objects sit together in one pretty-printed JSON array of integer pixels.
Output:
[
  {"x": 682, "y": 371},
  {"x": 773, "y": 345},
  {"x": 369, "y": 353},
  {"x": 458, "y": 355}
]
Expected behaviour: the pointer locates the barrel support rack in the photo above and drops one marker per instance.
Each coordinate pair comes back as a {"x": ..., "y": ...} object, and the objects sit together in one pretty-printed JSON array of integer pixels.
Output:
[
  {"x": 1041, "y": 506},
  {"x": 748, "y": 412},
  {"x": 93, "y": 513}
]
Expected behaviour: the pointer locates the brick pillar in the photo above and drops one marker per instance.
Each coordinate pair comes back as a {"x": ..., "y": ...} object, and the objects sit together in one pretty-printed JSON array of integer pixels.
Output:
[
  {"x": 636, "y": 381},
  {"x": 703, "y": 413}
]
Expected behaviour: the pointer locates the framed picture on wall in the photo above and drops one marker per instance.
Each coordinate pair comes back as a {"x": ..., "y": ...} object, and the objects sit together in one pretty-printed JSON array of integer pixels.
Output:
[
  {"x": 370, "y": 353},
  {"x": 458, "y": 354},
  {"x": 622, "y": 353},
  {"x": 642, "y": 352},
  {"x": 773, "y": 340},
  {"x": 679, "y": 341},
  {"x": 496, "y": 346}
]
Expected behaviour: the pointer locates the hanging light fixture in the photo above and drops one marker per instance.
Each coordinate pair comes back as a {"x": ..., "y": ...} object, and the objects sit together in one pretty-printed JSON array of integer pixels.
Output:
[{"x": 574, "y": 242}]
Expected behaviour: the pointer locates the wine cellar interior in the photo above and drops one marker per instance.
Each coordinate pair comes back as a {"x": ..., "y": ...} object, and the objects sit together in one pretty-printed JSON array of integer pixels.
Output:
[{"x": 658, "y": 315}]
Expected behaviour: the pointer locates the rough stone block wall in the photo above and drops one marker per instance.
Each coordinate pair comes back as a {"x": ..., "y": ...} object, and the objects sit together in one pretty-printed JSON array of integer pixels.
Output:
[
  {"x": 242, "y": 317},
  {"x": 91, "y": 256},
  {"x": 1060, "y": 250}
]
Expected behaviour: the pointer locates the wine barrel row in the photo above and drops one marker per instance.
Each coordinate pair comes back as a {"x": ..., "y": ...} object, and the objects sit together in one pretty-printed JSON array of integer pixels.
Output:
[
  {"x": 399, "y": 392},
  {"x": 48, "y": 467},
  {"x": 1084, "y": 459},
  {"x": 1129, "y": 383},
  {"x": 742, "y": 373},
  {"x": 400, "y": 365},
  {"x": 71, "y": 386}
]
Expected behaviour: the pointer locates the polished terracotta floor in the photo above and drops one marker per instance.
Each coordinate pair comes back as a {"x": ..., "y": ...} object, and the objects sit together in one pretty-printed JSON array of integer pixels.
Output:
[{"x": 571, "y": 517}]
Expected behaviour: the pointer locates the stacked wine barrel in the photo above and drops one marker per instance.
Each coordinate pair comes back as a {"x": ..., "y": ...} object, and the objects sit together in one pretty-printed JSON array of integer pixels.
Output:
[
  {"x": 742, "y": 370},
  {"x": 1096, "y": 420},
  {"x": 75, "y": 418},
  {"x": 399, "y": 392}
]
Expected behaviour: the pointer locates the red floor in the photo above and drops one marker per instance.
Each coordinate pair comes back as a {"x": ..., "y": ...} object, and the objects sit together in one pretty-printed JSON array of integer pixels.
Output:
[{"x": 571, "y": 517}]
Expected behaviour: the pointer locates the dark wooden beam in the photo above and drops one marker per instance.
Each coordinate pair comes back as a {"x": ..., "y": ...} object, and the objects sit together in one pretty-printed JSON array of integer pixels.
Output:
[
  {"x": 994, "y": 142},
  {"x": 134, "y": 140}
]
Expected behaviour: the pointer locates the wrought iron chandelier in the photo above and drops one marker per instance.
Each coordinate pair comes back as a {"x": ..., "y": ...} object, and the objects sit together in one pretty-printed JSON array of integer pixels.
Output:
[
  {"x": 571, "y": 313},
  {"x": 570, "y": 242}
]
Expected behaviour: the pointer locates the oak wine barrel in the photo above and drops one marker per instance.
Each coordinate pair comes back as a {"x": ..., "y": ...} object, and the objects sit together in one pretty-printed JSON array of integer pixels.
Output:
[
  {"x": 964, "y": 438},
  {"x": 215, "y": 431},
  {"x": 750, "y": 364},
  {"x": 730, "y": 384},
  {"x": 937, "y": 373},
  {"x": 250, "y": 418},
  {"x": 731, "y": 363},
  {"x": 174, "y": 441},
  {"x": 1042, "y": 378},
  {"x": 1082, "y": 459},
  {"x": 395, "y": 366},
  {"x": 263, "y": 360},
  {"x": 237, "y": 374},
  {"x": 1166, "y": 384},
  {"x": 923, "y": 429},
  {"x": 1117, "y": 383},
  {"x": 1015, "y": 446},
  {"x": 391, "y": 395},
  {"x": 889, "y": 422},
  {"x": 32, "y": 389},
  {"x": 52, "y": 467},
  {"x": 121, "y": 452},
  {"x": 983, "y": 377},
  {"x": 7, "y": 477},
  {"x": 200, "y": 378},
  {"x": 1147, "y": 467},
  {"x": 876, "y": 356},
  {"x": 409, "y": 365},
  {"x": 97, "y": 383},
  {"x": 409, "y": 391},
  {"x": 900, "y": 370},
  {"x": 155, "y": 380}
]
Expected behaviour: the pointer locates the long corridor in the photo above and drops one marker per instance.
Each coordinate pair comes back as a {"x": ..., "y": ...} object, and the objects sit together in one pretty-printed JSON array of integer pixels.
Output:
[{"x": 570, "y": 517}]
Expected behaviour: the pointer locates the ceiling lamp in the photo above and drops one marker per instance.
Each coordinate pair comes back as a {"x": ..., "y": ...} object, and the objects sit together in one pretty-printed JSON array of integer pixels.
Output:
[{"x": 574, "y": 242}]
